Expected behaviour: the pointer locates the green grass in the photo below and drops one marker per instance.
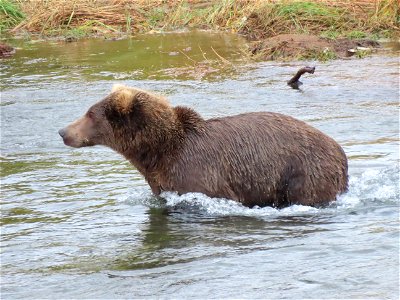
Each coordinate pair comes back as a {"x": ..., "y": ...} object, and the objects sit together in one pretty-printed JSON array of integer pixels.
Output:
[
  {"x": 88, "y": 29},
  {"x": 356, "y": 34},
  {"x": 322, "y": 56},
  {"x": 128, "y": 23},
  {"x": 155, "y": 16},
  {"x": 306, "y": 9},
  {"x": 10, "y": 15},
  {"x": 330, "y": 34},
  {"x": 326, "y": 55},
  {"x": 77, "y": 32},
  {"x": 362, "y": 53},
  {"x": 299, "y": 17}
]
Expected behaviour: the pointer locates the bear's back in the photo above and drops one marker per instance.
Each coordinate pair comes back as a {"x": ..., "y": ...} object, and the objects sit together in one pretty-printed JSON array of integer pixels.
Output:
[{"x": 260, "y": 159}]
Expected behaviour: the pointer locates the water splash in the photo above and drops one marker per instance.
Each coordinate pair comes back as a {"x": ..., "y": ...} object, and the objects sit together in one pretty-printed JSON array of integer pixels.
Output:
[
  {"x": 224, "y": 207},
  {"x": 372, "y": 186}
]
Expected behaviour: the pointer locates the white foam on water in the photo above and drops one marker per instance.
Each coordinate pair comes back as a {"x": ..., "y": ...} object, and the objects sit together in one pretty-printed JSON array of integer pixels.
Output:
[
  {"x": 225, "y": 207},
  {"x": 372, "y": 186}
]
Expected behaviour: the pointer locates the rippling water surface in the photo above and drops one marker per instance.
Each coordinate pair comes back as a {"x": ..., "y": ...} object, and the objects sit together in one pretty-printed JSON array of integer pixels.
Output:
[{"x": 82, "y": 223}]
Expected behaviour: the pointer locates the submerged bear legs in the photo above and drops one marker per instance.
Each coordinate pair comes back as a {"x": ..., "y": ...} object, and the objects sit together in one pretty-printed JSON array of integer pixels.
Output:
[{"x": 293, "y": 187}]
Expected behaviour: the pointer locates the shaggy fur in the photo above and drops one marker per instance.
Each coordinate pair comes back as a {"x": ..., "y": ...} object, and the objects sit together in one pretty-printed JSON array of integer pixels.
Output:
[{"x": 264, "y": 159}]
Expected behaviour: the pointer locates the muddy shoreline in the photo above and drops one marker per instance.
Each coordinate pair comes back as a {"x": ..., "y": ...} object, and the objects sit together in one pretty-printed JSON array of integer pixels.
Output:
[
  {"x": 284, "y": 47},
  {"x": 310, "y": 47}
]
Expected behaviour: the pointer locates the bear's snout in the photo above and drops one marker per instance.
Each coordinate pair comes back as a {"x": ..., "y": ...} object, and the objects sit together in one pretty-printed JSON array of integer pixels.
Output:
[
  {"x": 62, "y": 132},
  {"x": 67, "y": 138},
  {"x": 80, "y": 133}
]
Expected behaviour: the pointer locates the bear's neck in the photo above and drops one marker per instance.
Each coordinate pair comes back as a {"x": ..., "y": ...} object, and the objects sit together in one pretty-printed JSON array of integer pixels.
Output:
[
  {"x": 152, "y": 148},
  {"x": 155, "y": 148}
]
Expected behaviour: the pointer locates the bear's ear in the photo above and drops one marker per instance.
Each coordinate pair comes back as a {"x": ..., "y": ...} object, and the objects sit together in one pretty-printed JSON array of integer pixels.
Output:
[
  {"x": 123, "y": 98},
  {"x": 117, "y": 87},
  {"x": 125, "y": 108}
]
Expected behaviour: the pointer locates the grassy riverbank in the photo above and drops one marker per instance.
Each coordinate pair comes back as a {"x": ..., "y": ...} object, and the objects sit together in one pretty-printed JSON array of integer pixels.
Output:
[{"x": 257, "y": 20}]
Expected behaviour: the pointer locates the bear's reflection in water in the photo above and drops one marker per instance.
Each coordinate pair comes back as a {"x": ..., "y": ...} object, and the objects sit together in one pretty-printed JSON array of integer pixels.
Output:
[{"x": 176, "y": 236}]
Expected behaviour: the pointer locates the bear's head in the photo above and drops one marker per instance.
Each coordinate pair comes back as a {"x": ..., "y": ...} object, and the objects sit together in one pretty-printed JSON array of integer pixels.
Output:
[{"x": 122, "y": 120}]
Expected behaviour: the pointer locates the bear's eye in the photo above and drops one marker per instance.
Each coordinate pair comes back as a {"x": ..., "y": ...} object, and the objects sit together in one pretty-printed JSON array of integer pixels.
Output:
[{"x": 90, "y": 114}]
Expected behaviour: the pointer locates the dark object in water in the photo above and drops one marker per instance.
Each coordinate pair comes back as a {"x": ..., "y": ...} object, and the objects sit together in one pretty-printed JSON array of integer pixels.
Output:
[
  {"x": 6, "y": 50},
  {"x": 70, "y": 39},
  {"x": 295, "y": 82}
]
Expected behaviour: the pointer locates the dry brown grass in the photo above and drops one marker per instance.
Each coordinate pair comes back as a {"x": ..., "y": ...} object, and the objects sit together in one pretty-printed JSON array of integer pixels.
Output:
[
  {"x": 56, "y": 14},
  {"x": 255, "y": 18}
]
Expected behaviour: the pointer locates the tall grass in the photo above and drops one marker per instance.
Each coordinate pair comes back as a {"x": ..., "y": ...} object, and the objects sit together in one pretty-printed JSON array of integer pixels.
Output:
[
  {"x": 307, "y": 17},
  {"x": 10, "y": 14},
  {"x": 91, "y": 16},
  {"x": 385, "y": 16},
  {"x": 254, "y": 18}
]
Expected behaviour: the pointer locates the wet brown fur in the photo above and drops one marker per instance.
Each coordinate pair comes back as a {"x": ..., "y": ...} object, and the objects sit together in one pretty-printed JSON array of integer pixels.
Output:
[{"x": 263, "y": 158}]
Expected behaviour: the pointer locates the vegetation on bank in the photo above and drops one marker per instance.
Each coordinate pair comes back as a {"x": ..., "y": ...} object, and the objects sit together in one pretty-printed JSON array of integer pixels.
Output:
[
  {"x": 256, "y": 19},
  {"x": 11, "y": 15}
]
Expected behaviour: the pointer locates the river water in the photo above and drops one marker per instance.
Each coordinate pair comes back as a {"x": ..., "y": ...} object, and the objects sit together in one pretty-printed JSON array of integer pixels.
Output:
[{"x": 82, "y": 223}]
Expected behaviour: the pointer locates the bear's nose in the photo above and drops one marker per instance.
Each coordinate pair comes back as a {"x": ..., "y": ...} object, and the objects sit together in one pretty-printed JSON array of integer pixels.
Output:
[{"x": 62, "y": 132}]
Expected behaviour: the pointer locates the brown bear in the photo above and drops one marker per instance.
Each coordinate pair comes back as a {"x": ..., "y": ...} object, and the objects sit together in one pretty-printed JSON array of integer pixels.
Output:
[{"x": 258, "y": 158}]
